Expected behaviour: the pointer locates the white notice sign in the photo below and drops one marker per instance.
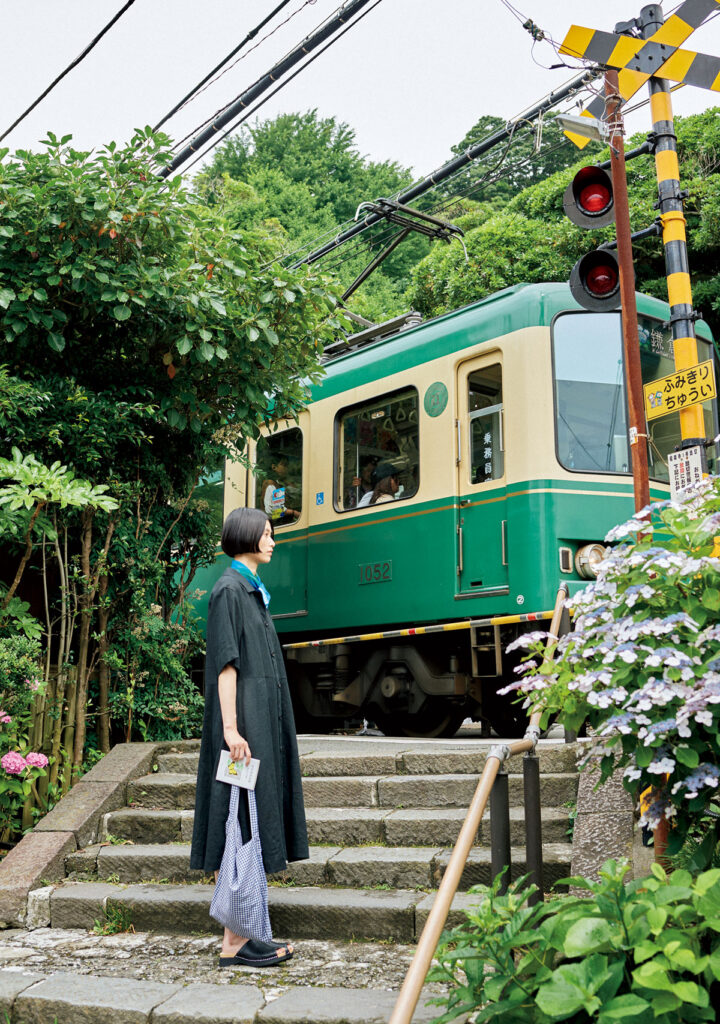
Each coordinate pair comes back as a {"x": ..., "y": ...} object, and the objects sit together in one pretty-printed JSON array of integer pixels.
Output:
[{"x": 685, "y": 468}]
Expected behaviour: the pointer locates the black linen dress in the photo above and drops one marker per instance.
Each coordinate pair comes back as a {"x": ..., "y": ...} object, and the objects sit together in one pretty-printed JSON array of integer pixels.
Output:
[{"x": 240, "y": 632}]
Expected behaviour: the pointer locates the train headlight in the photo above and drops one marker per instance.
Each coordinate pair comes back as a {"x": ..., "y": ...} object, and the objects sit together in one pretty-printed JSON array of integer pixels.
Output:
[{"x": 587, "y": 560}]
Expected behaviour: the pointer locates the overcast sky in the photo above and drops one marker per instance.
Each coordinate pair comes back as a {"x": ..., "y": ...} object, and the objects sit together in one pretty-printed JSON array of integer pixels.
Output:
[{"x": 411, "y": 78}]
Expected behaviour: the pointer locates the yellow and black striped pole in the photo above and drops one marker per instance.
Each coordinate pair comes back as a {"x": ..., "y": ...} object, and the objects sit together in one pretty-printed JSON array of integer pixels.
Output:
[{"x": 672, "y": 218}]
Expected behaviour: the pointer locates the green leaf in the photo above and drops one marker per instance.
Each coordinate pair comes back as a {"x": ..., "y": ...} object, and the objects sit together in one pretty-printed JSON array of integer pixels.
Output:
[
  {"x": 687, "y": 756},
  {"x": 690, "y": 992},
  {"x": 588, "y": 935},
  {"x": 253, "y": 333},
  {"x": 651, "y": 975},
  {"x": 218, "y": 306},
  {"x": 657, "y": 917},
  {"x": 205, "y": 335},
  {"x": 184, "y": 345},
  {"x": 271, "y": 336},
  {"x": 56, "y": 341},
  {"x": 289, "y": 296},
  {"x": 121, "y": 312},
  {"x": 6, "y": 297},
  {"x": 206, "y": 351},
  {"x": 710, "y": 597},
  {"x": 621, "y": 1007}
]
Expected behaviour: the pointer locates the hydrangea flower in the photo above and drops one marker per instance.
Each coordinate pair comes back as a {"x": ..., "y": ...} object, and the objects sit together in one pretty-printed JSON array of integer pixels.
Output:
[
  {"x": 5, "y": 718},
  {"x": 13, "y": 763},
  {"x": 36, "y": 760}
]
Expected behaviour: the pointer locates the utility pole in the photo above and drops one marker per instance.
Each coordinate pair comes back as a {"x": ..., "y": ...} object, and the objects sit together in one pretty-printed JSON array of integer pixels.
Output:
[{"x": 628, "y": 304}]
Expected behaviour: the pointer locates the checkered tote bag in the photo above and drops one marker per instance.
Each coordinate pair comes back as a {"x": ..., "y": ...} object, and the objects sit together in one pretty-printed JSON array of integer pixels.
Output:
[{"x": 240, "y": 900}]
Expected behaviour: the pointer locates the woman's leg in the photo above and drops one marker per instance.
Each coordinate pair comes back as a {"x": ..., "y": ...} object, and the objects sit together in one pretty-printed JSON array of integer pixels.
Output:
[{"x": 232, "y": 942}]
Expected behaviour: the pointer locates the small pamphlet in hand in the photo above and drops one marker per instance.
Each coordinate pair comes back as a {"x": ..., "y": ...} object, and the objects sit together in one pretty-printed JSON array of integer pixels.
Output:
[{"x": 237, "y": 773}]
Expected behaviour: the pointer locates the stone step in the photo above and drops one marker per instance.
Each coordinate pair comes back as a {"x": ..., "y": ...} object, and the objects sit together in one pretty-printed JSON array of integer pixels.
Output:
[
  {"x": 297, "y": 912},
  {"x": 37, "y": 998},
  {"x": 467, "y": 758},
  {"x": 342, "y": 826},
  {"x": 360, "y": 867},
  {"x": 177, "y": 790}
]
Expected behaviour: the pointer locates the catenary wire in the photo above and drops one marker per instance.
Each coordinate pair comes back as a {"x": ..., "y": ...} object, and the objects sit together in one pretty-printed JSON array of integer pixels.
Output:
[
  {"x": 247, "y": 114},
  {"x": 208, "y": 80},
  {"x": 73, "y": 64},
  {"x": 225, "y": 106}
]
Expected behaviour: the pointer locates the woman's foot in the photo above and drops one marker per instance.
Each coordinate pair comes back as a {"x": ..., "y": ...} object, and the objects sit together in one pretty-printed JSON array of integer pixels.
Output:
[{"x": 254, "y": 953}]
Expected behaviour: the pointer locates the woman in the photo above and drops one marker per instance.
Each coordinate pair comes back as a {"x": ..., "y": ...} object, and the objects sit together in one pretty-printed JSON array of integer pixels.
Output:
[
  {"x": 248, "y": 712},
  {"x": 387, "y": 484}
]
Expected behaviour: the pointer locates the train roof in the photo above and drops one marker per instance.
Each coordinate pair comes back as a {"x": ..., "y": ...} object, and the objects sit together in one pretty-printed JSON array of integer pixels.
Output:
[{"x": 514, "y": 308}]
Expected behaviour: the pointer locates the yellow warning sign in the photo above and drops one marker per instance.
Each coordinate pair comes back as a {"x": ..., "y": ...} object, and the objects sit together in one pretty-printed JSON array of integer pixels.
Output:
[{"x": 680, "y": 390}]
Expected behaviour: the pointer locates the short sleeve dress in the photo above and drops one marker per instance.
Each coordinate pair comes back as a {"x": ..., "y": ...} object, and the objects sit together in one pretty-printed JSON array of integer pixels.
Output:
[{"x": 240, "y": 632}]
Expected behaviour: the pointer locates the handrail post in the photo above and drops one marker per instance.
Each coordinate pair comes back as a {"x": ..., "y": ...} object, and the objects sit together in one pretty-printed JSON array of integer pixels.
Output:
[
  {"x": 533, "y": 824},
  {"x": 500, "y": 857}
]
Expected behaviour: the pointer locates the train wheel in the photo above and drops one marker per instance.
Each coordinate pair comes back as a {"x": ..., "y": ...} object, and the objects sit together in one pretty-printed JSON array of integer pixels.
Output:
[{"x": 437, "y": 719}]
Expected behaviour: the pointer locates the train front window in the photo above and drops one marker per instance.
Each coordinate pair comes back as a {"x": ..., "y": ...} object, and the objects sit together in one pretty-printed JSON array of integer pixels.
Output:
[
  {"x": 378, "y": 446},
  {"x": 278, "y": 476},
  {"x": 590, "y": 397}
]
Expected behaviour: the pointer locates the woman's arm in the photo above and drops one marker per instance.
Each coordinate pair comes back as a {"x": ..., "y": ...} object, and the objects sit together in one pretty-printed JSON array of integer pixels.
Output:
[{"x": 227, "y": 690}]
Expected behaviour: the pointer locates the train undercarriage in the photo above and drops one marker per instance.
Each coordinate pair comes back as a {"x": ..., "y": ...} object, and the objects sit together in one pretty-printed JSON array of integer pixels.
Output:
[{"x": 420, "y": 686}]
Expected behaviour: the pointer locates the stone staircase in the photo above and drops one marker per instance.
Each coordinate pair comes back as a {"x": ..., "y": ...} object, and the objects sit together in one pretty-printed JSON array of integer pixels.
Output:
[
  {"x": 126, "y": 937},
  {"x": 382, "y": 815}
]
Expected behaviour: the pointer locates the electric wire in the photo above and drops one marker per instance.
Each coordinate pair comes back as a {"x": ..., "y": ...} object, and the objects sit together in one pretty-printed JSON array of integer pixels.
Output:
[
  {"x": 208, "y": 80},
  {"x": 198, "y": 128},
  {"x": 73, "y": 64},
  {"x": 247, "y": 114}
]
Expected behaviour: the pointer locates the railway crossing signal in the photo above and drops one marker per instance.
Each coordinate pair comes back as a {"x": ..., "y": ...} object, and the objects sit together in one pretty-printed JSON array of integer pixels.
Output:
[
  {"x": 589, "y": 202},
  {"x": 638, "y": 59},
  {"x": 595, "y": 281}
]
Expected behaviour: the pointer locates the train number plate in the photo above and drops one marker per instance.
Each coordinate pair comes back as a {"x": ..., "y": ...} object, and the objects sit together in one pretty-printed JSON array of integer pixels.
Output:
[{"x": 375, "y": 572}]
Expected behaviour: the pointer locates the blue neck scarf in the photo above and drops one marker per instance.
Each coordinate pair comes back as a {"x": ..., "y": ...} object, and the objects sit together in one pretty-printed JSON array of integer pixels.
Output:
[{"x": 240, "y": 567}]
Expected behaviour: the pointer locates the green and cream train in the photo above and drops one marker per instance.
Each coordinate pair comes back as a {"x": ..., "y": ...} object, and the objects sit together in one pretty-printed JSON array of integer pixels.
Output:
[{"x": 447, "y": 472}]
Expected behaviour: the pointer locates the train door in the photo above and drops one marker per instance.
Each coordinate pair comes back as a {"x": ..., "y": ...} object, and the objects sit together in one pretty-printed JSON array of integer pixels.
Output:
[
  {"x": 482, "y": 564},
  {"x": 280, "y": 489}
]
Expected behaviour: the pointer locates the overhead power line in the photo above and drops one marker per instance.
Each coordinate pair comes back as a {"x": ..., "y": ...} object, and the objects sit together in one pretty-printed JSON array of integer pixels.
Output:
[
  {"x": 91, "y": 45},
  {"x": 248, "y": 114},
  {"x": 449, "y": 169},
  {"x": 242, "y": 102},
  {"x": 248, "y": 38}
]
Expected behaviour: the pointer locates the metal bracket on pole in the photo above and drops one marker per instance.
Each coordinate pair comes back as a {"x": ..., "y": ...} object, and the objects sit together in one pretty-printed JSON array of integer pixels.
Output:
[
  {"x": 532, "y": 733},
  {"x": 501, "y": 751}
]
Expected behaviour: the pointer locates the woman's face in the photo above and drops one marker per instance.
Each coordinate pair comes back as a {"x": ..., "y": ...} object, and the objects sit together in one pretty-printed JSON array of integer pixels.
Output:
[{"x": 266, "y": 545}]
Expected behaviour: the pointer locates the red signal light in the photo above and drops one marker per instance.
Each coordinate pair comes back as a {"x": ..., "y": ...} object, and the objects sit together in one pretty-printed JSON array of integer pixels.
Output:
[
  {"x": 602, "y": 279},
  {"x": 588, "y": 199}
]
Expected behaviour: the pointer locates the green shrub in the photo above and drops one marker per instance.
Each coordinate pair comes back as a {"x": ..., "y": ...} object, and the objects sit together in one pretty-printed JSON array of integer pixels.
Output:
[{"x": 637, "y": 952}]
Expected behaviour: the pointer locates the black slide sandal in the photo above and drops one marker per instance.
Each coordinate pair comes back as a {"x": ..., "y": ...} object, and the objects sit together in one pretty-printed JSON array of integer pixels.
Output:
[{"x": 256, "y": 954}]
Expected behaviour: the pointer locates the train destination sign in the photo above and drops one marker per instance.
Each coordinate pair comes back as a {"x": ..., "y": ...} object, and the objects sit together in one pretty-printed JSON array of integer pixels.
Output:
[{"x": 680, "y": 390}]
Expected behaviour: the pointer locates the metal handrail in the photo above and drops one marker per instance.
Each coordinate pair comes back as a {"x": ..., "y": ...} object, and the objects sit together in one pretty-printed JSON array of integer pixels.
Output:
[{"x": 417, "y": 972}]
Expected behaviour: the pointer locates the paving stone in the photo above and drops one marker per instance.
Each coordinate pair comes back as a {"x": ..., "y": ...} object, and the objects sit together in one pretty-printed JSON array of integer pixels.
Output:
[
  {"x": 342, "y": 913},
  {"x": 185, "y": 763},
  {"x": 312, "y": 871},
  {"x": 80, "y": 811},
  {"x": 143, "y": 863},
  {"x": 167, "y": 908},
  {"x": 79, "y": 904},
  {"x": 556, "y": 865},
  {"x": 187, "y": 820},
  {"x": 38, "y": 856},
  {"x": 337, "y": 1006},
  {"x": 124, "y": 762},
  {"x": 37, "y": 913},
  {"x": 164, "y": 789},
  {"x": 210, "y": 1004},
  {"x": 553, "y": 758},
  {"x": 144, "y": 825},
  {"x": 401, "y": 867},
  {"x": 312, "y": 765},
  {"x": 12, "y": 983},
  {"x": 86, "y": 999},
  {"x": 339, "y": 791},
  {"x": 346, "y": 826},
  {"x": 419, "y": 826}
]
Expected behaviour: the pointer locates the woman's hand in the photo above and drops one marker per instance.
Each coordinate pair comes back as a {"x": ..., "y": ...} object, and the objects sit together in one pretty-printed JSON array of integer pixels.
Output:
[{"x": 239, "y": 748}]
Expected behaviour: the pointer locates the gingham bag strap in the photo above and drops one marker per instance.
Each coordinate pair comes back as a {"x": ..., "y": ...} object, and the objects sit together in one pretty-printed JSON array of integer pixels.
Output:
[
  {"x": 231, "y": 823},
  {"x": 252, "y": 806}
]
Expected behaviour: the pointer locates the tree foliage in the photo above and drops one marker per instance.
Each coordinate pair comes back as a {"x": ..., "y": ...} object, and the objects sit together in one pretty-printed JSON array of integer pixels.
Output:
[{"x": 143, "y": 337}]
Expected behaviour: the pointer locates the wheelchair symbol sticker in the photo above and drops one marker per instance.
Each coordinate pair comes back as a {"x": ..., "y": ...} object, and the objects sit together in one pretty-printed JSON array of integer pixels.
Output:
[{"x": 320, "y": 498}]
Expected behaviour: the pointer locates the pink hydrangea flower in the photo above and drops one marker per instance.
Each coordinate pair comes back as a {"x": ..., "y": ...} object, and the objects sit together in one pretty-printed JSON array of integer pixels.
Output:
[
  {"x": 13, "y": 763},
  {"x": 36, "y": 760},
  {"x": 5, "y": 718},
  {"x": 33, "y": 684}
]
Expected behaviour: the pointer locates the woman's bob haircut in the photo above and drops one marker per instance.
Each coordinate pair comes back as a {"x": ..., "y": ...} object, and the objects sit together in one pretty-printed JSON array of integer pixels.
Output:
[{"x": 242, "y": 531}]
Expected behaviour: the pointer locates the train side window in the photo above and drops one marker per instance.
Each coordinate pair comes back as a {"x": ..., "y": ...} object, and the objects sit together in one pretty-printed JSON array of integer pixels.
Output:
[
  {"x": 485, "y": 415},
  {"x": 378, "y": 444},
  {"x": 278, "y": 476}
]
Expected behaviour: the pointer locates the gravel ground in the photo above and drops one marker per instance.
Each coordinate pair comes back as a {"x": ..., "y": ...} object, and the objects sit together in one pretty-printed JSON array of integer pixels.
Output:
[{"x": 171, "y": 958}]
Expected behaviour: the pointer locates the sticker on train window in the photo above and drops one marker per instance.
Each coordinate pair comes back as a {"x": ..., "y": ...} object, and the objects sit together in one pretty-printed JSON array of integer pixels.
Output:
[{"x": 375, "y": 572}]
